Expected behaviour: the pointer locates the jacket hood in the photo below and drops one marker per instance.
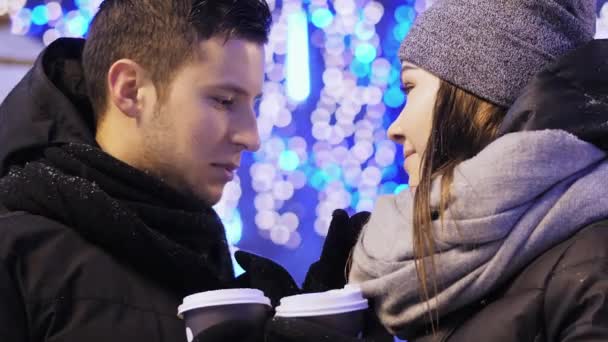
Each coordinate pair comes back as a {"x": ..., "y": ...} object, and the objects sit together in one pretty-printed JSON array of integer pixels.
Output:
[
  {"x": 49, "y": 105},
  {"x": 571, "y": 94}
]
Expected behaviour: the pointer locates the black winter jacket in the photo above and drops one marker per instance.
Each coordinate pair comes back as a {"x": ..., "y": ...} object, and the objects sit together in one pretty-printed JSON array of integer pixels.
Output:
[{"x": 104, "y": 256}]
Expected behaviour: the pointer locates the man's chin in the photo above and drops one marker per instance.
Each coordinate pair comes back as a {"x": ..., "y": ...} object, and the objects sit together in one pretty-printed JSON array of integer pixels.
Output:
[
  {"x": 205, "y": 196},
  {"x": 209, "y": 197}
]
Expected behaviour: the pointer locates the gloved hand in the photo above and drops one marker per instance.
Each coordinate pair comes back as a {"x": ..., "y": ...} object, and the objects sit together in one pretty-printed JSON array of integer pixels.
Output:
[
  {"x": 285, "y": 329},
  {"x": 265, "y": 275},
  {"x": 329, "y": 272}
]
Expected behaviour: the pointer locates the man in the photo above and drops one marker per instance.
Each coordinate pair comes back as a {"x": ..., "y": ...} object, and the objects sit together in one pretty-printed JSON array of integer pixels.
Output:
[{"x": 112, "y": 153}]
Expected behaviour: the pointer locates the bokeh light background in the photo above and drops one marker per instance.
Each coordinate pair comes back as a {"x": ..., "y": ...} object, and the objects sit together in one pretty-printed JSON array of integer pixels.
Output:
[{"x": 331, "y": 90}]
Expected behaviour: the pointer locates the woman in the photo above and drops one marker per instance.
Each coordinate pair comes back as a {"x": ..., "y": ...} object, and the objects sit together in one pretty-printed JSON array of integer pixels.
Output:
[{"x": 504, "y": 234}]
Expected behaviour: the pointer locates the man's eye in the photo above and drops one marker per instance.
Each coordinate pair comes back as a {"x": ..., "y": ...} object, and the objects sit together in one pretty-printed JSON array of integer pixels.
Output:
[{"x": 224, "y": 102}]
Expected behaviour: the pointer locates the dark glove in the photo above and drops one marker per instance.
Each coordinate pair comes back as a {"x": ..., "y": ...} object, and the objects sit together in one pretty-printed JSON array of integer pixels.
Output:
[
  {"x": 329, "y": 272},
  {"x": 285, "y": 329},
  {"x": 265, "y": 275},
  {"x": 234, "y": 330}
]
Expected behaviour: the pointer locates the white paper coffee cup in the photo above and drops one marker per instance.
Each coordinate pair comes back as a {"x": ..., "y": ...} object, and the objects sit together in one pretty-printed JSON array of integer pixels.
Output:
[
  {"x": 341, "y": 309},
  {"x": 204, "y": 310}
]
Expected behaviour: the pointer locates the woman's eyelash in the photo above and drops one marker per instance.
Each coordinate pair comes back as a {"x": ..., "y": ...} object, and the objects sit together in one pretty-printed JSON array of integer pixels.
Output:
[{"x": 406, "y": 88}]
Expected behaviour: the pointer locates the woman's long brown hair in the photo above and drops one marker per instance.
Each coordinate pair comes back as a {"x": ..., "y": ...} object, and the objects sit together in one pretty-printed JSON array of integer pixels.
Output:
[{"x": 463, "y": 124}]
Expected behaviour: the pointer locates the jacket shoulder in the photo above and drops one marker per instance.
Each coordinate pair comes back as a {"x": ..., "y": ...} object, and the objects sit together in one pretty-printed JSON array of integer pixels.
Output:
[
  {"x": 576, "y": 294},
  {"x": 588, "y": 245},
  {"x": 556, "y": 297},
  {"x": 72, "y": 288},
  {"x": 21, "y": 231}
]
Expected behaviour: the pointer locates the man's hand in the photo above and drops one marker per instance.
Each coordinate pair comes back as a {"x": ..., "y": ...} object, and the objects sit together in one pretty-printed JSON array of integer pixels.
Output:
[{"x": 265, "y": 275}]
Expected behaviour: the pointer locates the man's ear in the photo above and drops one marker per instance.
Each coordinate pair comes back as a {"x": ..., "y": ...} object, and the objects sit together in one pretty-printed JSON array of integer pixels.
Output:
[{"x": 129, "y": 85}]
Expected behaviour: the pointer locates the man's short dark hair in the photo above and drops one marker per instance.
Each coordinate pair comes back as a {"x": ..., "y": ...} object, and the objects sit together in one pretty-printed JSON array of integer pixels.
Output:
[{"x": 161, "y": 36}]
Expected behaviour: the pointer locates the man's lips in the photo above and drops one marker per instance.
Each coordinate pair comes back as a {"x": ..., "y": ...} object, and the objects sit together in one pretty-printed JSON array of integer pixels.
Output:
[
  {"x": 228, "y": 170},
  {"x": 228, "y": 166}
]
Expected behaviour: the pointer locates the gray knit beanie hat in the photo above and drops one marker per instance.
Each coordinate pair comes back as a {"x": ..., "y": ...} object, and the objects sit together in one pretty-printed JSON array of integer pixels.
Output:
[{"x": 492, "y": 48}]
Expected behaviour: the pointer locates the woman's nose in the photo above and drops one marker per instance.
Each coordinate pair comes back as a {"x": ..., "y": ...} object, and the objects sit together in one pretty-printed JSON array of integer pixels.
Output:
[{"x": 395, "y": 133}]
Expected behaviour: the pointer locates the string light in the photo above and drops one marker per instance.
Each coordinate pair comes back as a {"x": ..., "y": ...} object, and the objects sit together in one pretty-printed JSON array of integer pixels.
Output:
[{"x": 298, "y": 68}]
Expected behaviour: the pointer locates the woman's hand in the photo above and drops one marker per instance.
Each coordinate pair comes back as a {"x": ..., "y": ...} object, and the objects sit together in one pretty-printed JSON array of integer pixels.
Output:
[{"x": 330, "y": 271}]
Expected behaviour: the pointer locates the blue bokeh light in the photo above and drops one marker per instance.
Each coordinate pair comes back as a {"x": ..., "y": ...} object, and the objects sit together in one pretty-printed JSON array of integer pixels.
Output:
[
  {"x": 405, "y": 14},
  {"x": 360, "y": 69},
  {"x": 333, "y": 172},
  {"x": 234, "y": 228},
  {"x": 388, "y": 188},
  {"x": 87, "y": 15},
  {"x": 390, "y": 46},
  {"x": 354, "y": 199},
  {"x": 318, "y": 179},
  {"x": 394, "y": 77},
  {"x": 238, "y": 270},
  {"x": 289, "y": 160},
  {"x": 394, "y": 97},
  {"x": 401, "y": 30},
  {"x": 365, "y": 53},
  {"x": 78, "y": 25},
  {"x": 40, "y": 15},
  {"x": 322, "y": 17},
  {"x": 82, "y": 3},
  {"x": 390, "y": 172},
  {"x": 401, "y": 187}
]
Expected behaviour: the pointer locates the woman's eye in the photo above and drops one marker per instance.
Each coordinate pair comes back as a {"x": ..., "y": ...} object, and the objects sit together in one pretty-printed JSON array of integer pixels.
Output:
[{"x": 407, "y": 88}]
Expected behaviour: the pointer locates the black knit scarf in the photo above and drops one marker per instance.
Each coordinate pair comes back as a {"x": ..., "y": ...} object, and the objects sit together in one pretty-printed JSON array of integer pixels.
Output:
[{"x": 169, "y": 237}]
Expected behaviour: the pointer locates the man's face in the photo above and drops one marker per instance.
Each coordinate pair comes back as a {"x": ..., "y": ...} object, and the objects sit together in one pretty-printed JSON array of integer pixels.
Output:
[{"x": 194, "y": 139}]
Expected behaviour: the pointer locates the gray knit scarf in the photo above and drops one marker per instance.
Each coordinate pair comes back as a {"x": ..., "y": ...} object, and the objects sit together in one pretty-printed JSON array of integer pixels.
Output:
[{"x": 523, "y": 194}]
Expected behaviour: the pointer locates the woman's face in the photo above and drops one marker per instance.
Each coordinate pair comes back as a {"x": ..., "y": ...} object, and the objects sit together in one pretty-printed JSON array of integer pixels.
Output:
[{"x": 412, "y": 127}]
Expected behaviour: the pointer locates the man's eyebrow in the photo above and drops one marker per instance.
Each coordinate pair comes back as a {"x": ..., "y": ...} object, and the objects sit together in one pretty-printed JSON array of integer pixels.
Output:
[{"x": 235, "y": 88}]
